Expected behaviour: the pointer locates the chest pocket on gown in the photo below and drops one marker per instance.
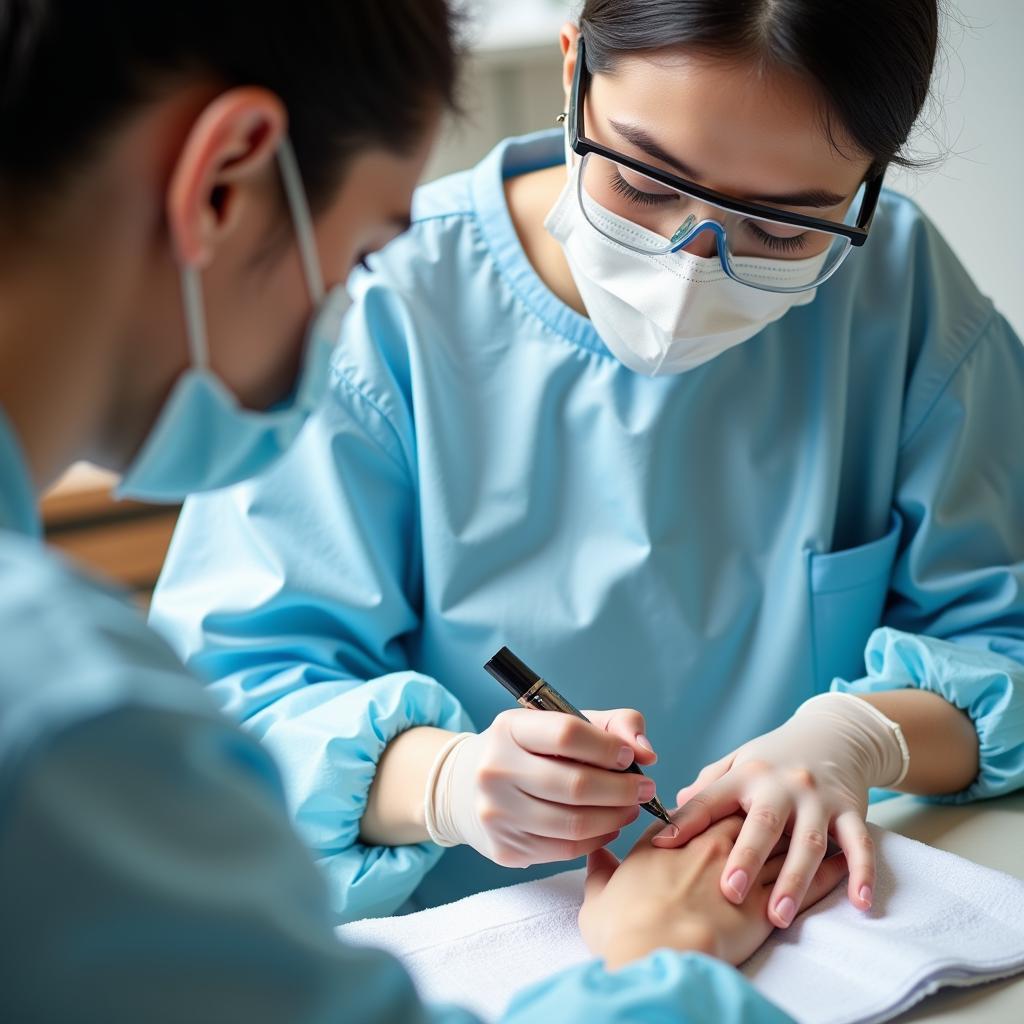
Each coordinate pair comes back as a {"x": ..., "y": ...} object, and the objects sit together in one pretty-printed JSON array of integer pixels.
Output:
[{"x": 848, "y": 591}]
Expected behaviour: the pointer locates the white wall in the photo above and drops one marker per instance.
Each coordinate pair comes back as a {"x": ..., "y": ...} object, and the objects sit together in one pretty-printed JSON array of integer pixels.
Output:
[
  {"x": 512, "y": 81},
  {"x": 976, "y": 195}
]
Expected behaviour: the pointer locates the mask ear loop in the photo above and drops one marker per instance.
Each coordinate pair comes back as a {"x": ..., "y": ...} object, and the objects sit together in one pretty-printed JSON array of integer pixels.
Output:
[
  {"x": 191, "y": 279},
  {"x": 195, "y": 316},
  {"x": 305, "y": 236}
]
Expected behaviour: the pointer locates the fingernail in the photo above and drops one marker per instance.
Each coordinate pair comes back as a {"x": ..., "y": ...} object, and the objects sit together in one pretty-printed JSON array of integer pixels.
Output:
[
  {"x": 646, "y": 790},
  {"x": 738, "y": 882},
  {"x": 786, "y": 909},
  {"x": 625, "y": 758},
  {"x": 866, "y": 895},
  {"x": 643, "y": 741},
  {"x": 668, "y": 832}
]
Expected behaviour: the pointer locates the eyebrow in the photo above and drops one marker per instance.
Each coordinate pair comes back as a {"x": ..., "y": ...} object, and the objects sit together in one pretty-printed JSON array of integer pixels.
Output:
[{"x": 817, "y": 198}]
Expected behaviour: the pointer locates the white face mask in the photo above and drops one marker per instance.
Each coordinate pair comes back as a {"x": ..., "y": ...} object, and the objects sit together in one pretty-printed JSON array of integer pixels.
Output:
[{"x": 662, "y": 315}]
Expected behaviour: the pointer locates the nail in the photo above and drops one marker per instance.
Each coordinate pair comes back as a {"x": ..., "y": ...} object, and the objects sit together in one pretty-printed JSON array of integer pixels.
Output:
[
  {"x": 625, "y": 758},
  {"x": 866, "y": 895},
  {"x": 643, "y": 741},
  {"x": 786, "y": 909},
  {"x": 738, "y": 882},
  {"x": 646, "y": 790},
  {"x": 668, "y": 832}
]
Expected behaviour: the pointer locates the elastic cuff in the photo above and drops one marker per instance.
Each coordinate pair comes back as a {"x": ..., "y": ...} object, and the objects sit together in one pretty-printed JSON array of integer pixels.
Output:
[
  {"x": 986, "y": 684},
  {"x": 329, "y": 753}
]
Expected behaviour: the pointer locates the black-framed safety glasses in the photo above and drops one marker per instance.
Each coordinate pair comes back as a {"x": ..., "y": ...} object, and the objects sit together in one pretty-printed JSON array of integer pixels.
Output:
[{"x": 656, "y": 213}]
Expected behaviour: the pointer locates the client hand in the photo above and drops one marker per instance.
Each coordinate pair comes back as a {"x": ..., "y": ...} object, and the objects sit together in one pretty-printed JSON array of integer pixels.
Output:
[{"x": 671, "y": 898}]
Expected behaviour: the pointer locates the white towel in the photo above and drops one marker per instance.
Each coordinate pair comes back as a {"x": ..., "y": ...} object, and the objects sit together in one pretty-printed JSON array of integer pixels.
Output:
[{"x": 938, "y": 920}]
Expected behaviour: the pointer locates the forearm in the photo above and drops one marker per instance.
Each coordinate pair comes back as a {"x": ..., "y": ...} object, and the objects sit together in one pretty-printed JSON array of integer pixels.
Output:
[
  {"x": 942, "y": 740},
  {"x": 394, "y": 809}
]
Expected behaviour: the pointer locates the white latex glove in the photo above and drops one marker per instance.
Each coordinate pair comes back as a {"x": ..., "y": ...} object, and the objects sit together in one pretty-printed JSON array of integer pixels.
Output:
[
  {"x": 809, "y": 778},
  {"x": 539, "y": 786}
]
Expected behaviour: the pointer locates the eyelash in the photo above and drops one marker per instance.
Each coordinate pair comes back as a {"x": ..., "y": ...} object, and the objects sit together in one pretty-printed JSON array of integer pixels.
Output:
[
  {"x": 776, "y": 244},
  {"x": 634, "y": 195},
  {"x": 773, "y": 242}
]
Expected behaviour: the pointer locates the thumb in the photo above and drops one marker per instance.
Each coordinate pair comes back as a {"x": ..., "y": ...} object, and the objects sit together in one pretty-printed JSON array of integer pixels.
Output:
[{"x": 601, "y": 865}]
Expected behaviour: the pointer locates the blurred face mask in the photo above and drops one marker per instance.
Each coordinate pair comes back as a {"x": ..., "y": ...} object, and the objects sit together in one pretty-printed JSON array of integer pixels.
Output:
[
  {"x": 662, "y": 315},
  {"x": 204, "y": 439}
]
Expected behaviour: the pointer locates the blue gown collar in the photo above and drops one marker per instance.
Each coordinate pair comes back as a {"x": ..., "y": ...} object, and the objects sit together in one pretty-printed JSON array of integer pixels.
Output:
[
  {"x": 19, "y": 511},
  {"x": 508, "y": 160}
]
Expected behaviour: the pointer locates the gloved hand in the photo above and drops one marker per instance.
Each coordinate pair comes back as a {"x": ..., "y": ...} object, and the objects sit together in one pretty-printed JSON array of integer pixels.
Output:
[
  {"x": 809, "y": 778},
  {"x": 538, "y": 786}
]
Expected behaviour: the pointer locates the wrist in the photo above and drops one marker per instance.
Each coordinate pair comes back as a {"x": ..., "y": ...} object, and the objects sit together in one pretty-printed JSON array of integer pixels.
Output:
[
  {"x": 625, "y": 947},
  {"x": 943, "y": 740},
  {"x": 394, "y": 814}
]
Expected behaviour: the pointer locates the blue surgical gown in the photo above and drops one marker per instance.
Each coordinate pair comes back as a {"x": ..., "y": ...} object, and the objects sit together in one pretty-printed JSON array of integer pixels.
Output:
[
  {"x": 149, "y": 871},
  {"x": 837, "y": 502}
]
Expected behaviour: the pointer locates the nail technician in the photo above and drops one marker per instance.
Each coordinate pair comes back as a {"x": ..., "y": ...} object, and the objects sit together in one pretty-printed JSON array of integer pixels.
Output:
[{"x": 678, "y": 402}]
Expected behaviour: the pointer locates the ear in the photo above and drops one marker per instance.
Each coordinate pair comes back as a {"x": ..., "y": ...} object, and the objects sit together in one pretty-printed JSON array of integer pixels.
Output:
[
  {"x": 568, "y": 39},
  {"x": 230, "y": 147}
]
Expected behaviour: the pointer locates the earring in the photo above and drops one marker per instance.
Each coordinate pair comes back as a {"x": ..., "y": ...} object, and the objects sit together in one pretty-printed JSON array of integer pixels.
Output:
[{"x": 561, "y": 117}]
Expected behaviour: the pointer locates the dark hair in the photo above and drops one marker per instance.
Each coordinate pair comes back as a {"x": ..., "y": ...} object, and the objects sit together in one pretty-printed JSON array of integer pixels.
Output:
[
  {"x": 353, "y": 74},
  {"x": 872, "y": 60}
]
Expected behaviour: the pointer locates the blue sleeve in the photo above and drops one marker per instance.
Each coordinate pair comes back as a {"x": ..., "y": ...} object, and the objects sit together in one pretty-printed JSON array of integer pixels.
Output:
[
  {"x": 955, "y": 621},
  {"x": 666, "y": 986},
  {"x": 293, "y": 594},
  {"x": 152, "y": 875}
]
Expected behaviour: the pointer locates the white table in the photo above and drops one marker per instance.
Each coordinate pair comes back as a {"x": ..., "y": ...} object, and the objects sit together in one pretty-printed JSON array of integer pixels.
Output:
[{"x": 989, "y": 833}]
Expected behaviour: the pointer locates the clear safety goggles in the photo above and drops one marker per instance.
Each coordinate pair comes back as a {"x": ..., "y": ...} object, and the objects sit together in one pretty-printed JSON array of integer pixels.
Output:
[{"x": 654, "y": 212}]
